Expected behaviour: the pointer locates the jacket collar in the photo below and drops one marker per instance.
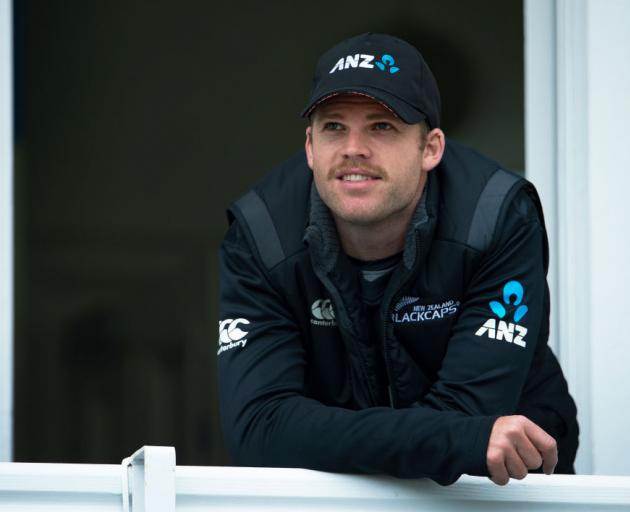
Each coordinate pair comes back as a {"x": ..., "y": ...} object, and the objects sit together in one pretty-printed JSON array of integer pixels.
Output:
[{"x": 323, "y": 241}]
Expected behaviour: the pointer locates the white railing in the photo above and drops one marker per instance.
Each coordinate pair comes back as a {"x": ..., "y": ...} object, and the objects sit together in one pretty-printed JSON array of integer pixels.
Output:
[{"x": 150, "y": 481}]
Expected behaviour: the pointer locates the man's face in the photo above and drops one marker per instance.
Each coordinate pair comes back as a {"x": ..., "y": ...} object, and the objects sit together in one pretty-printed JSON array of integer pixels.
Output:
[{"x": 366, "y": 162}]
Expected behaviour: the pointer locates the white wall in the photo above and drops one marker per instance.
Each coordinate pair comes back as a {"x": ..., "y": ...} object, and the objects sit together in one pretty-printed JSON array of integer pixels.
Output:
[
  {"x": 578, "y": 155},
  {"x": 6, "y": 233},
  {"x": 608, "y": 57}
]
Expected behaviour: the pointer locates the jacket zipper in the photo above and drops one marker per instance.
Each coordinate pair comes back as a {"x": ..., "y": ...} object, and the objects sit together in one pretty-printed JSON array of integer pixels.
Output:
[
  {"x": 337, "y": 301},
  {"x": 390, "y": 391},
  {"x": 395, "y": 295}
]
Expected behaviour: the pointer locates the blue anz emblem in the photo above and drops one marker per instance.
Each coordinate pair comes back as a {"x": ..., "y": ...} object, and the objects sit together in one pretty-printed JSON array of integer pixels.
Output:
[
  {"x": 387, "y": 61},
  {"x": 513, "y": 289},
  {"x": 503, "y": 330}
]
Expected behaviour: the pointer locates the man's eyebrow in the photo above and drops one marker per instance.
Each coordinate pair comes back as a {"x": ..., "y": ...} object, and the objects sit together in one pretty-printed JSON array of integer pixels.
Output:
[
  {"x": 369, "y": 117},
  {"x": 381, "y": 115},
  {"x": 331, "y": 115}
]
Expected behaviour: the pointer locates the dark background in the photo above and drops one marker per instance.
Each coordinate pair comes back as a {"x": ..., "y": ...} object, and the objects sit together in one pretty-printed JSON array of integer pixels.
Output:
[{"x": 136, "y": 124}]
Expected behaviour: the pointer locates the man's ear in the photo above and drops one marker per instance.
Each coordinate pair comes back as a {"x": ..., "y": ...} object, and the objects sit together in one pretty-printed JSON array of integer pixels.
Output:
[
  {"x": 433, "y": 149},
  {"x": 308, "y": 146}
]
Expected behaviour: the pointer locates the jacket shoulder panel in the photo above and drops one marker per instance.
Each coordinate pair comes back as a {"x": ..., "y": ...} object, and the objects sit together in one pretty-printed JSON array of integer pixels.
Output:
[
  {"x": 473, "y": 190},
  {"x": 275, "y": 210}
]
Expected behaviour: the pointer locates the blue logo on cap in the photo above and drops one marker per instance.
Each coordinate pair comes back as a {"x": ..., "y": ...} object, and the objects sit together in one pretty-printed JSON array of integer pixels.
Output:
[
  {"x": 387, "y": 61},
  {"x": 515, "y": 290}
]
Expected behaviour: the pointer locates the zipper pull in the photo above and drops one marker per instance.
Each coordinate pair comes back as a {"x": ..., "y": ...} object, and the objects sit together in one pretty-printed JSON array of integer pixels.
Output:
[{"x": 391, "y": 397}]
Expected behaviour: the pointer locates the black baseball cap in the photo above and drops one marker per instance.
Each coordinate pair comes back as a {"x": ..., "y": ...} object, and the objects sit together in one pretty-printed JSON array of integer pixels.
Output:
[{"x": 384, "y": 68}]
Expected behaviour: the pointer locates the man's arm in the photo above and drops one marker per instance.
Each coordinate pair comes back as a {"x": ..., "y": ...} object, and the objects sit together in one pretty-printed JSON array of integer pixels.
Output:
[
  {"x": 496, "y": 334},
  {"x": 268, "y": 420},
  {"x": 502, "y": 328}
]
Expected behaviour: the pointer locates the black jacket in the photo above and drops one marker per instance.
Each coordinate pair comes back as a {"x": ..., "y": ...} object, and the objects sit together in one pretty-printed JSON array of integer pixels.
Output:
[{"x": 465, "y": 322}]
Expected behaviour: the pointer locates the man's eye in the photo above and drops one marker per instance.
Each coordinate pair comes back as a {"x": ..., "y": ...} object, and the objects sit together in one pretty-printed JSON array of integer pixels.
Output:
[
  {"x": 332, "y": 126},
  {"x": 383, "y": 126}
]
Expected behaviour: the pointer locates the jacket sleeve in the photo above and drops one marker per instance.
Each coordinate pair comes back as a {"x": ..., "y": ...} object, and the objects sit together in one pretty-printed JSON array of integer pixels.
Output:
[
  {"x": 503, "y": 322},
  {"x": 268, "y": 421}
]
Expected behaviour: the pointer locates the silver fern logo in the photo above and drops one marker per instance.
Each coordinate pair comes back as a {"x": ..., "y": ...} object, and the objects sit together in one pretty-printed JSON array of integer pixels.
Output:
[{"x": 405, "y": 301}]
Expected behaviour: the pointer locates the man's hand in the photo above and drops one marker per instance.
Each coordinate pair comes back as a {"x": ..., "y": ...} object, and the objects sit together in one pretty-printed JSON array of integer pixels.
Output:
[{"x": 516, "y": 445}]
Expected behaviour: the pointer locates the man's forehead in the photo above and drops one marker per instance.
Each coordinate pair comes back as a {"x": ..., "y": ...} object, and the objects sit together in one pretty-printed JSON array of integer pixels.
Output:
[{"x": 336, "y": 105}]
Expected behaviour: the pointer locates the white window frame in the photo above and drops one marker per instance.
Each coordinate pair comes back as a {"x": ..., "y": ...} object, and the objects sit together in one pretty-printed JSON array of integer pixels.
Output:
[
  {"x": 555, "y": 156},
  {"x": 577, "y": 108},
  {"x": 6, "y": 232}
]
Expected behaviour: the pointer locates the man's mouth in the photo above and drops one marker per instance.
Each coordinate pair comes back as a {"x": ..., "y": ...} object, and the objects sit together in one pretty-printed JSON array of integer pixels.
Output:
[
  {"x": 357, "y": 174},
  {"x": 356, "y": 177}
]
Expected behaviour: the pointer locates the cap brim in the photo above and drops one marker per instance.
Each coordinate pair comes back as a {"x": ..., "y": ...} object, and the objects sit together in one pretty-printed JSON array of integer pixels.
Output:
[{"x": 403, "y": 110}]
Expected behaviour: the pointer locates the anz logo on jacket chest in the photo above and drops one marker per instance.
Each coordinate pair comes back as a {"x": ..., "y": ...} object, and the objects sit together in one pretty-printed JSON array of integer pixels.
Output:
[{"x": 507, "y": 331}]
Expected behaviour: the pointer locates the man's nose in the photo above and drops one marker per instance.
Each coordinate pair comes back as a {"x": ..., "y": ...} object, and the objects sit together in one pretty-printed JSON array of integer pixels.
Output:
[{"x": 356, "y": 145}]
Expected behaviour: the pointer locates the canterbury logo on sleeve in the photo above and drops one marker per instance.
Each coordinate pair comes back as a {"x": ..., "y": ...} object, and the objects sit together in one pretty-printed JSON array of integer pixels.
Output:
[{"x": 232, "y": 333}]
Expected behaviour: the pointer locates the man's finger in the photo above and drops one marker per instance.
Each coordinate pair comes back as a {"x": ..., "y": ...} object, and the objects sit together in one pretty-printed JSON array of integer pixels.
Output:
[
  {"x": 530, "y": 456},
  {"x": 515, "y": 466},
  {"x": 496, "y": 468},
  {"x": 545, "y": 444}
]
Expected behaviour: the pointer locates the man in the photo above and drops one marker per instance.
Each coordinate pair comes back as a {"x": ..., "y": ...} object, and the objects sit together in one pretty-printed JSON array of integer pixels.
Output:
[{"x": 383, "y": 297}]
